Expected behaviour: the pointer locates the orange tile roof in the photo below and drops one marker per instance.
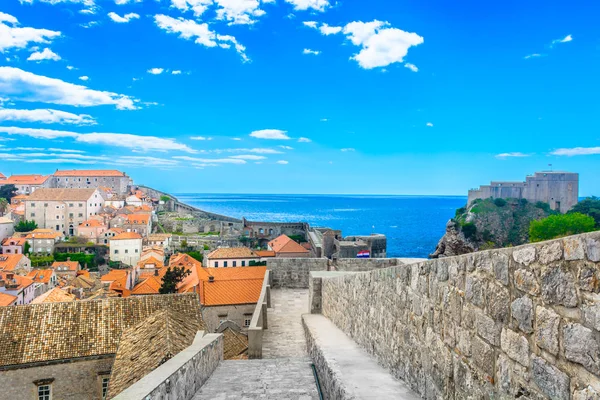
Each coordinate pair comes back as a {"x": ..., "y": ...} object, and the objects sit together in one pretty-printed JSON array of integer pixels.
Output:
[
  {"x": 25, "y": 180},
  {"x": 8, "y": 262},
  {"x": 231, "y": 285},
  {"x": 41, "y": 275},
  {"x": 20, "y": 197},
  {"x": 231, "y": 252},
  {"x": 7, "y": 299},
  {"x": 14, "y": 241},
  {"x": 126, "y": 236},
  {"x": 60, "y": 265},
  {"x": 2, "y": 176},
  {"x": 56, "y": 295},
  {"x": 137, "y": 219},
  {"x": 265, "y": 253},
  {"x": 183, "y": 259},
  {"x": 150, "y": 285},
  {"x": 91, "y": 223},
  {"x": 283, "y": 244},
  {"x": 151, "y": 260},
  {"x": 21, "y": 281},
  {"x": 113, "y": 275},
  {"x": 43, "y": 234},
  {"x": 89, "y": 172}
]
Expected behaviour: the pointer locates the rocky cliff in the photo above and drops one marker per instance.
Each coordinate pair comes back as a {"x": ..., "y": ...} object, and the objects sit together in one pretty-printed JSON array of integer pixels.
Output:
[{"x": 489, "y": 223}]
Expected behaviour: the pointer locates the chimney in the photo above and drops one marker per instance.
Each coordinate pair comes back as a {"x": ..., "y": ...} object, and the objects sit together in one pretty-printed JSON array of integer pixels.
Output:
[
  {"x": 211, "y": 278},
  {"x": 10, "y": 276},
  {"x": 68, "y": 259},
  {"x": 156, "y": 272}
]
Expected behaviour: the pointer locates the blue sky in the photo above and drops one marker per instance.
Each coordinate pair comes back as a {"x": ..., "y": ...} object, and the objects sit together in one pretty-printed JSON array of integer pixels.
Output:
[{"x": 302, "y": 96}]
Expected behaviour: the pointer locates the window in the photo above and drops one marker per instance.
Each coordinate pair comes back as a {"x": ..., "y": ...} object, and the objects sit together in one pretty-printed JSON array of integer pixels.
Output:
[
  {"x": 45, "y": 204},
  {"x": 136, "y": 250},
  {"x": 126, "y": 251},
  {"x": 80, "y": 215},
  {"x": 216, "y": 264},
  {"x": 44, "y": 392},
  {"x": 116, "y": 252},
  {"x": 32, "y": 215},
  {"x": 104, "y": 387},
  {"x": 70, "y": 215},
  {"x": 80, "y": 204},
  {"x": 247, "y": 320},
  {"x": 32, "y": 204},
  {"x": 243, "y": 263},
  {"x": 70, "y": 204},
  {"x": 235, "y": 263},
  {"x": 225, "y": 264}
]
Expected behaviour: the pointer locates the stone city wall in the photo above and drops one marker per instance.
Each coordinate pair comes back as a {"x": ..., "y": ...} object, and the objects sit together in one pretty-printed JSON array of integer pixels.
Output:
[
  {"x": 363, "y": 264},
  {"x": 519, "y": 322},
  {"x": 294, "y": 272}
]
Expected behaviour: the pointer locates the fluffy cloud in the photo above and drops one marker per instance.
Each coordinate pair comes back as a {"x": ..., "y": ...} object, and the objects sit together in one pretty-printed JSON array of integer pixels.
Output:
[
  {"x": 89, "y": 3},
  {"x": 330, "y": 30},
  {"x": 197, "y": 6},
  {"x": 124, "y": 19},
  {"x": 200, "y": 138},
  {"x": 311, "y": 24},
  {"x": 412, "y": 67},
  {"x": 429, "y": 124},
  {"x": 512, "y": 154},
  {"x": 239, "y": 12},
  {"x": 283, "y": 162},
  {"x": 46, "y": 54},
  {"x": 108, "y": 139},
  {"x": 304, "y": 140},
  {"x": 145, "y": 161},
  {"x": 272, "y": 134},
  {"x": 534, "y": 55},
  {"x": 84, "y": 78},
  {"x": 211, "y": 160},
  {"x": 302, "y": 5},
  {"x": 309, "y": 51},
  {"x": 176, "y": 72},
  {"x": 45, "y": 116},
  {"x": 25, "y": 86},
  {"x": 251, "y": 157},
  {"x": 381, "y": 45},
  {"x": 155, "y": 71},
  {"x": 576, "y": 151},
  {"x": 566, "y": 39},
  {"x": 200, "y": 33},
  {"x": 256, "y": 150},
  {"x": 13, "y": 36}
]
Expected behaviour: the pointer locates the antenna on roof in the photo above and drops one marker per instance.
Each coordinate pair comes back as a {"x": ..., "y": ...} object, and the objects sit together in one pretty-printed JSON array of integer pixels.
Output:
[{"x": 550, "y": 165}]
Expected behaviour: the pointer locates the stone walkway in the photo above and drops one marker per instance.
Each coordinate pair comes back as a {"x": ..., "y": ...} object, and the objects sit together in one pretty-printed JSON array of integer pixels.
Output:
[
  {"x": 284, "y": 337},
  {"x": 274, "y": 379}
]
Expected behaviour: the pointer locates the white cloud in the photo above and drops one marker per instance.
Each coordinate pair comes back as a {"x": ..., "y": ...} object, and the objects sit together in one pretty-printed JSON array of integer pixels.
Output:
[
  {"x": 412, "y": 67},
  {"x": 272, "y": 134},
  {"x": 256, "y": 150},
  {"x": 145, "y": 161},
  {"x": 176, "y": 72},
  {"x": 46, "y": 54},
  {"x": 200, "y": 138},
  {"x": 302, "y": 5},
  {"x": 14, "y": 36},
  {"x": 534, "y": 55},
  {"x": 381, "y": 45},
  {"x": 512, "y": 154},
  {"x": 429, "y": 124},
  {"x": 239, "y": 12},
  {"x": 566, "y": 39},
  {"x": 249, "y": 157},
  {"x": 330, "y": 30},
  {"x": 323, "y": 120},
  {"x": 46, "y": 116},
  {"x": 200, "y": 33},
  {"x": 124, "y": 19},
  {"x": 197, "y": 6},
  {"x": 236, "y": 139},
  {"x": 313, "y": 52},
  {"x": 348, "y": 150},
  {"x": 89, "y": 24},
  {"x": 304, "y": 140},
  {"x": 155, "y": 71},
  {"x": 283, "y": 162},
  {"x": 70, "y": 67},
  {"x": 287, "y": 147},
  {"x": 25, "y": 86},
  {"x": 125, "y": 140},
  {"x": 84, "y": 78},
  {"x": 310, "y": 24},
  {"x": 211, "y": 160},
  {"x": 576, "y": 151},
  {"x": 123, "y": 2},
  {"x": 65, "y": 150}
]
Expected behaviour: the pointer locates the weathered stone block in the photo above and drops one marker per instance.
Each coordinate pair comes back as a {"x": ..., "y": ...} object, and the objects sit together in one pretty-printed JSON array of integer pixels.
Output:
[
  {"x": 586, "y": 394},
  {"x": 589, "y": 277},
  {"x": 591, "y": 314},
  {"x": 527, "y": 282},
  {"x": 546, "y": 334},
  {"x": 483, "y": 262},
  {"x": 498, "y": 303},
  {"x": 456, "y": 274},
  {"x": 522, "y": 312},
  {"x": 475, "y": 290},
  {"x": 488, "y": 329},
  {"x": 515, "y": 346},
  {"x": 525, "y": 255},
  {"x": 573, "y": 249},
  {"x": 552, "y": 381},
  {"x": 558, "y": 287},
  {"x": 592, "y": 249},
  {"x": 500, "y": 263},
  {"x": 442, "y": 270},
  {"x": 463, "y": 341},
  {"x": 581, "y": 347},
  {"x": 510, "y": 375},
  {"x": 452, "y": 304},
  {"x": 483, "y": 356},
  {"x": 551, "y": 252}
]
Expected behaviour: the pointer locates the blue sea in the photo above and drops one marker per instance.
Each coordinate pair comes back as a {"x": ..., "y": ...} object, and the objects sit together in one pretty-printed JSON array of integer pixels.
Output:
[{"x": 413, "y": 224}]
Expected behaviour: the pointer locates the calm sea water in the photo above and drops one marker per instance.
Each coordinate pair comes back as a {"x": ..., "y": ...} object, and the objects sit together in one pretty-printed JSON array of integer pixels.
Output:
[{"x": 413, "y": 224}]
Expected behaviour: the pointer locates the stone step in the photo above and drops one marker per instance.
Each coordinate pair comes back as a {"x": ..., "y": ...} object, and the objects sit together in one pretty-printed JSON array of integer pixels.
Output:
[{"x": 282, "y": 378}]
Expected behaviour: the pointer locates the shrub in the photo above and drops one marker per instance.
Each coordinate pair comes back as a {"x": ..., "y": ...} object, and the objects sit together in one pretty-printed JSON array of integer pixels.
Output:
[
  {"x": 560, "y": 225},
  {"x": 164, "y": 198},
  {"x": 499, "y": 202},
  {"x": 543, "y": 206},
  {"x": 25, "y": 226},
  {"x": 82, "y": 258},
  {"x": 469, "y": 230},
  {"x": 196, "y": 255},
  {"x": 589, "y": 206},
  {"x": 41, "y": 261},
  {"x": 459, "y": 212},
  {"x": 523, "y": 202}
]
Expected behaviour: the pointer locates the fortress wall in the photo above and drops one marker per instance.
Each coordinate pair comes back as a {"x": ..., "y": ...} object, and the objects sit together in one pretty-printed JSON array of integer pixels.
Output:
[
  {"x": 363, "y": 264},
  {"x": 517, "y": 322},
  {"x": 294, "y": 272}
]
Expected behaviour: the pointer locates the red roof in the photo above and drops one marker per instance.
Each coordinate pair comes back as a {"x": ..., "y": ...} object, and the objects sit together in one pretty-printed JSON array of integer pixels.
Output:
[
  {"x": 2, "y": 176},
  {"x": 7, "y": 299},
  {"x": 25, "y": 180},
  {"x": 231, "y": 285},
  {"x": 8, "y": 262},
  {"x": 283, "y": 244},
  {"x": 139, "y": 219},
  {"x": 41, "y": 275},
  {"x": 89, "y": 172},
  {"x": 70, "y": 265},
  {"x": 126, "y": 236}
]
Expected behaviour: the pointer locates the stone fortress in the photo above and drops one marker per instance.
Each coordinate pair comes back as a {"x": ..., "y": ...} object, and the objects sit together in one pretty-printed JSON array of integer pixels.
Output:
[{"x": 557, "y": 188}]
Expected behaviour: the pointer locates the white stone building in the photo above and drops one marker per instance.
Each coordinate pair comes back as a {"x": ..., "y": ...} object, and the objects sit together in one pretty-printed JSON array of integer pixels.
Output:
[
  {"x": 126, "y": 248},
  {"x": 7, "y": 228},
  {"x": 231, "y": 257}
]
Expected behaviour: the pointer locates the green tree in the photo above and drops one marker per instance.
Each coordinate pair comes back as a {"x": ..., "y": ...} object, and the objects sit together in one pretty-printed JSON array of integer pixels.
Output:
[
  {"x": 27, "y": 248},
  {"x": 164, "y": 198},
  {"x": 8, "y": 192},
  {"x": 196, "y": 255},
  {"x": 589, "y": 206},
  {"x": 173, "y": 277},
  {"x": 25, "y": 226},
  {"x": 3, "y": 205},
  {"x": 560, "y": 225}
]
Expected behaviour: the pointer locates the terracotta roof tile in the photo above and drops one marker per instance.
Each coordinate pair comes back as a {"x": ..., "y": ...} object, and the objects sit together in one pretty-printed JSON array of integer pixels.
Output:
[
  {"x": 127, "y": 236},
  {"x": 25, "y": 180},
  {"x": 231, "y": 285},
  {"x": 56, "y": 295},
  {"x": 21, "y": 282},
  {"x": 231, "y": 252},
  {"x": 114, "y": 274},
  {"x": 14, "y": 241},
  {"x": 8, "y": 262},
  {"x": 234, "y": 344},
  {"x": 283, "y": 244},
  {"x": 61, "y": 194},
  {"x": 265, "y": 253},
  {"x": 7, "y": 299},
  {"x": 91, "y": 223},
  {"x": 150, "y": 285},
  {"x": 65, "y": 266},
  {"x": 138, "y": 219},
  {"x": 41, "y": 275},
  {"x": 58, "y": 331},
  {"x": 90, "y": 173}
]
